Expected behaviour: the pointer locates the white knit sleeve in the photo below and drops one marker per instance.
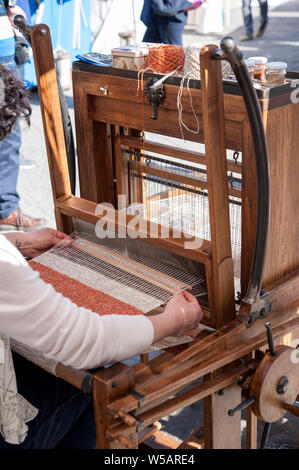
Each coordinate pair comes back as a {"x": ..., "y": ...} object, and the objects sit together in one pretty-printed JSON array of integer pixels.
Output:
[{"x": 33, "y": 313}]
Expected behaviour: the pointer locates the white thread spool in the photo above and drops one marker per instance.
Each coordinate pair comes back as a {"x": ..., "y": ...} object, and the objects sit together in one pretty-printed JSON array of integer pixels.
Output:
[{"x": 192, "y": 64}]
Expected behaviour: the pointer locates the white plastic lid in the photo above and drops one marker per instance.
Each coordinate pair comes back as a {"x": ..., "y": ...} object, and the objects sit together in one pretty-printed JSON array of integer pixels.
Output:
[
  {"x": 259, "y": 60},
  {"x": 276, "y": 65},
  {"x": 250, "y": 62},
  {"x": 130, "y": 51}
]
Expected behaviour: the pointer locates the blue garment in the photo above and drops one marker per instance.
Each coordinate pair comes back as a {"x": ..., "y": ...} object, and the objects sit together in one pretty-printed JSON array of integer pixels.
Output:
[
  {"x": 10, "y": 147},
  {"x": 247, "y": 16},
  {"x": 9, "y": 172},
  {"x": 165, "y": 20},
  {"x": 24, "y": 4},
  {"x": 62, "y": 35},
  {"x": 164, "y": 33},
  {"x": 65, "y": 419},
  {"x": 7, "y": 40}
]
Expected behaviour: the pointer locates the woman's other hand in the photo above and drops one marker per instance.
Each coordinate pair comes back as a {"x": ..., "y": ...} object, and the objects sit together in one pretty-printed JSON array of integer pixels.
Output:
[
  {"x": 35, "y": 243},
  {"x": 182, "y": 314}
]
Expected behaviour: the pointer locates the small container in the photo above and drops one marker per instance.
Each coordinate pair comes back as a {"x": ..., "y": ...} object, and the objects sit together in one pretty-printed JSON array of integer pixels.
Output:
[
  {"x": 250, "y": 64},
  {"x": 63, "y": 68},
  {"x": 275, "y": 73},
  {"x": 259, "y": 68},
  {"x": 129, "y": 57}
]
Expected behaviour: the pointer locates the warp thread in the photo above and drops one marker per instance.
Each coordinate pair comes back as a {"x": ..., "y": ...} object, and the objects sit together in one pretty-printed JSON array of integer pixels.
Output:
[
  {"x": 172, "y": 60},
  {"x": 192, "y": 71},
  {"x": 166, "y": 59}
]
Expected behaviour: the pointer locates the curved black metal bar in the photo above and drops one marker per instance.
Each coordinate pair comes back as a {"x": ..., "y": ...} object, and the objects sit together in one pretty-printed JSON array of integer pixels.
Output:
[
  {"x": 230, "y": 52},
  {"x": 25, "y": 29}
]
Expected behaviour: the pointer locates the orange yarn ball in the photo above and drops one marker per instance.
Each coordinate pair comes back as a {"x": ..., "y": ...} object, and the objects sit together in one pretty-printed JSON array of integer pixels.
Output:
[{"x": 165, "y": 59}]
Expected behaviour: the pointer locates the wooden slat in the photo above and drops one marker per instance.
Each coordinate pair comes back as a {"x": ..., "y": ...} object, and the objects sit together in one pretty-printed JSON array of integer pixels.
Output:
[
  {"x": 157, "y": 388},
  {"x": 221, "y": 430},
  {"x": 148, "y": 432},
  {"x": 251, "y": 430},
  {"x": 159, "y": 441},
  {"x": 186, "y": 398},
  {"x": 167, "y": 124},
  {"x": 282, "y": 130},
  {"x": 51, "y": 116},
  {"x": 104, "y": 390},
  {"x": 171, "y": 176},
  {"x": 281, "y": 294},
  {"x": 293, "y": 409},
  {"x": 195, "y": 440},
  {"x": 167, "y": 174},
  {"x": 168, "y": 150},
  {"x": 103, "y": 161},
  {"x": 85, "y": 146},
  {"x": 73, "y": 376},
  {"x": 86, "y": 210},
  {"x": 125, "y": 89},
  {"x": 214, "y": 138}
]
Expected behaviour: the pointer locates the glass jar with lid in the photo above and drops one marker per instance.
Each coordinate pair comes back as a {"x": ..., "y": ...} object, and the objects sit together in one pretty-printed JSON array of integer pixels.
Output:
[
  {"x": 250, "y": 66},
  {"x": 259, "y": 68},
  {"x": 275, "y": 73}
]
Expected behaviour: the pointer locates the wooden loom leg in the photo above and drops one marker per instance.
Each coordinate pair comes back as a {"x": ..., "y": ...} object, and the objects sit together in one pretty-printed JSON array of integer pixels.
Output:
[
  {"x": 52, "y": 119},
  {"x": 108, "y": 385},
  {"x": 195, "y": 440},
  {"x": 221, "y": 430},
  {"x": 214, "y": 139},
  {"x": 63, "y": 222},
  {"x": 251, "y": 430}
]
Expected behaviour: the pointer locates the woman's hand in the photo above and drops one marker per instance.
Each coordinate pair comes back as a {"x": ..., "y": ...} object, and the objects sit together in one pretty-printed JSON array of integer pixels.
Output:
[
  {"x": 12, "y": 12},
  {"x": 195, "y": 4},
  {"x": 35, "y": 243},
  {"x": 181, "y": 314}
]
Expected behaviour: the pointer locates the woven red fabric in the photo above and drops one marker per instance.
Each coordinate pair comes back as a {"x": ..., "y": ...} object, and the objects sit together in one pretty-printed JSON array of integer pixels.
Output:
[{"x": 82, "y": 295}]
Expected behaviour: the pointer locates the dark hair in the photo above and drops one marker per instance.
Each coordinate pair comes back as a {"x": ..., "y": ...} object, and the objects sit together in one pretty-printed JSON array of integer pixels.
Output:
[{"x": 14, "y": 102}]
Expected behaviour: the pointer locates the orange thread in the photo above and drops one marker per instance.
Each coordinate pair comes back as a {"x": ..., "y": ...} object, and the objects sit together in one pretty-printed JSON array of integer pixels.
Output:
[{"x": 165, "y": 58}]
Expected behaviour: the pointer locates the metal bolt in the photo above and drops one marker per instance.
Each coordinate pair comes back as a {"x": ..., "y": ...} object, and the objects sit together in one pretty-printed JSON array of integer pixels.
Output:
[
  {"x": 43, "y": 31},
  {"x": 262, "y": 312},
  {"x": 283, "y": 386},
  {"x": 200, "y": 433},
  {"x": 114, "y": 384},
  {"x": 221, "y": 392}
]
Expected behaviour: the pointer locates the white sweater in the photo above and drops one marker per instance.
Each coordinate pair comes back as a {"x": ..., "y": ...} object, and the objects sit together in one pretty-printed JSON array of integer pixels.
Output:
[{"x": 33, "y": 313}]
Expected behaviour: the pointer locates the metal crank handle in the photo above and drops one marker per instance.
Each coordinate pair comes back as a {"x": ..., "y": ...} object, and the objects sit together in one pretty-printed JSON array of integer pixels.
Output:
[{"x": 242, "y": 406}]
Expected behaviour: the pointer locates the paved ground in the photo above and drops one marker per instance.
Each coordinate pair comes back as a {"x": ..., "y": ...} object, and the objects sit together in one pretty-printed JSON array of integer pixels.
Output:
[{"x": 280, "y": 42}]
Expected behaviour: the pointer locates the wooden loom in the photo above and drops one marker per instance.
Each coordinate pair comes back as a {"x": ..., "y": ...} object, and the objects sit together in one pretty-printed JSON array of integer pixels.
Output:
[{"x": 129, "y": 400}]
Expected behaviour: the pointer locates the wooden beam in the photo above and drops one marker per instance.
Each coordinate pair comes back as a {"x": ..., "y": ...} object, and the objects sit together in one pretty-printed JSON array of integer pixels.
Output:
[{"x": 214, "y": 139}]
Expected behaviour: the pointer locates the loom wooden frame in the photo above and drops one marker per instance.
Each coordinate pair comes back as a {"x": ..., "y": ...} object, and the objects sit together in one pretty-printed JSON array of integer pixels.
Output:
[{"x": 128, "y": 399}]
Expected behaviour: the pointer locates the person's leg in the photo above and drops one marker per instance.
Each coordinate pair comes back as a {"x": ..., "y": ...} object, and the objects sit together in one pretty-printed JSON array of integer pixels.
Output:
[
  {"x": 264, "y": 17},
  {"x": 247, "y": 17},
  {"x": 65, "y": 413},
  {"x": 152, "y": 35},
  {"x": 9, "y": 172},
  {"x": 172, "y": 33},
  {"x": 264, "y": 11},
  {"x": 11, "y": 217}
]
